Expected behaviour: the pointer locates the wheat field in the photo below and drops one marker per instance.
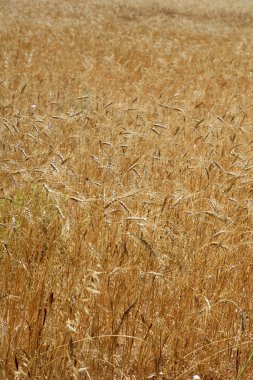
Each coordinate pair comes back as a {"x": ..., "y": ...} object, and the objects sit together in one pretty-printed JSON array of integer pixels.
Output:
[{"x": 126, "y": 190}]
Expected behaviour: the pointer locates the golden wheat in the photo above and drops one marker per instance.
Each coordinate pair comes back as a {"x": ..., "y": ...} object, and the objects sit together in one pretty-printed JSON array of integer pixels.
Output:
[{"x": 126, "y": 174}]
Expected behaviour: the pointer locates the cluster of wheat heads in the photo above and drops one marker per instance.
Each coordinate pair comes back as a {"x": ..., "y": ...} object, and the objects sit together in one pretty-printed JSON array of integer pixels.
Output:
[{"x": 126, "y": 188}]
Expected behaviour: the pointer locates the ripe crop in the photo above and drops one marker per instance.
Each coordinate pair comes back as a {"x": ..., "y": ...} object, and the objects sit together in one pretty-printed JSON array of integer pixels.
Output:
[{"x": 126, "y": 190}]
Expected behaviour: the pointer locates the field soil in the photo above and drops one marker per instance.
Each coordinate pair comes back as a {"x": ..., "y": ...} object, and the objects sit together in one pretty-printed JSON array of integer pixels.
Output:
[{"x": 126, "y": 190}]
